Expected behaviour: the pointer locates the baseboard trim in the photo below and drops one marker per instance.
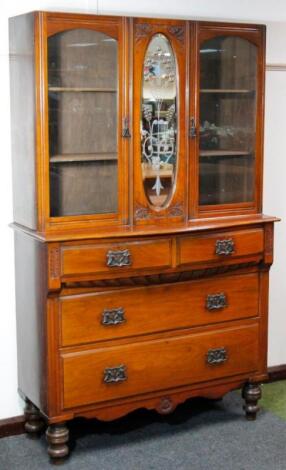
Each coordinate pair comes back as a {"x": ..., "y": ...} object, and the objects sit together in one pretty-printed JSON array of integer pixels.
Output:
[
  {"x": 12, "y": 426},
  {"x": 277, "y": 373},
  {"x": 15, "y": 426}
]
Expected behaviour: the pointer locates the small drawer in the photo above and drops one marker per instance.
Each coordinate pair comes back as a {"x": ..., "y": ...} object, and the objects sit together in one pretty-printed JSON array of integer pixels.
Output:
[
  {"x": 115, "y": 258},
  {"x": 137, "y": 311},
  {"x": 104, "y": 374},
  {"x": 220, "y": 246}
]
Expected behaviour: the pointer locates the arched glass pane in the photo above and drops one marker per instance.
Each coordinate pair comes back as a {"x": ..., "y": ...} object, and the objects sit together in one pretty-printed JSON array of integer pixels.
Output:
[
  {"x": 228, "y": 75},
  {"x": 159, "y": 121},
  {"x": 83, "y": 94}
]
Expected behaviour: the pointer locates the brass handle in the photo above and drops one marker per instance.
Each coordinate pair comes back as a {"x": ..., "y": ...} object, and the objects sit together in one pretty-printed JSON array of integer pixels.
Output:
[
  {"x": 114, "y": 316},
  {"x": 224, "y": 247},
  {"x": 118, "y": 258},
  {"x": 216, "y": 301},
  {"x": 115, "y": 374},
  {"x": 193, "y": 130},
  {"x": 125, "y": 128},
  {"x": 216, "y": 356}
]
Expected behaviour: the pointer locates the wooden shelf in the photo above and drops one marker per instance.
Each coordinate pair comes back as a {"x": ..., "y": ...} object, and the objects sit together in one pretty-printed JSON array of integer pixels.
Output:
[
  {"x": 223, "y": 153},
  {"x": 225, "y": 90},
  {"x": 84, "y": 157},
  {"x": 81, "y": 89}
]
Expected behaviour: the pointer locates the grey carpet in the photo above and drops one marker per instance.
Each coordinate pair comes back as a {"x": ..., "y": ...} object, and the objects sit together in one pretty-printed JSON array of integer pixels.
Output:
[{"x": 198, "y": 436}]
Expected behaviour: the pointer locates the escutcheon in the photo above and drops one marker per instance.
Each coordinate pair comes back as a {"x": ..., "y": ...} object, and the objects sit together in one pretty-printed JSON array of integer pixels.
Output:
[
  {"x": 113, "y": 316},
  {"x": 118, "y": 258},
  {"x": 216, "y": 356},
  {"x": 224, "y": 247},
  {"x": 115, "y": 374},
  {"x": 216, "y": 301}
]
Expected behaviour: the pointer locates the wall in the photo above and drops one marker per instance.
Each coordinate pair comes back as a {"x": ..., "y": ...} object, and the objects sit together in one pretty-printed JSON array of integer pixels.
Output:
[{"x": 275, "y": 160}]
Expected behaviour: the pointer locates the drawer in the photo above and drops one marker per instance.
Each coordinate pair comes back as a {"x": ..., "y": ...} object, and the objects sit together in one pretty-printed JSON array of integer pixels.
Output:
[
  {"x": 116, "y": 257},
  {"x": 110, "y": 373},
  {"x": 220, "y": 246},
  {"x": 136, "y": 311}
]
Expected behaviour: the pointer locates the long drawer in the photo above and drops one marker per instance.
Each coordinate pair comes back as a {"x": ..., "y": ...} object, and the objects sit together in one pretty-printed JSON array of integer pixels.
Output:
[
  {"x": 220, "y": 246},
  {"x": 104, "y": 374},
  {"x": 115, "y": 258},
  {"x": 136, "y": 311}
]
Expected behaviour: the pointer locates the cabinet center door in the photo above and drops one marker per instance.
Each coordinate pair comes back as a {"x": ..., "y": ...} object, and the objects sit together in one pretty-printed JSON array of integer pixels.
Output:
[{"x": 159, "y": 121}]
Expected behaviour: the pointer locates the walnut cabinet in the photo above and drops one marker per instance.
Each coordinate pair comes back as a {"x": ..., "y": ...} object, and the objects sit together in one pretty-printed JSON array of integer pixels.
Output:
[{"x": 142, "y": 254}]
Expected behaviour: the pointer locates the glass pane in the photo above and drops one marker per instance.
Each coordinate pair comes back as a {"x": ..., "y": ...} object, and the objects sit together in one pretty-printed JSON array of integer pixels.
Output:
[
  {"x": 159, "y": 121},
  {"x": 228, "y": 71},
  {"x": 83, "y": 93}
]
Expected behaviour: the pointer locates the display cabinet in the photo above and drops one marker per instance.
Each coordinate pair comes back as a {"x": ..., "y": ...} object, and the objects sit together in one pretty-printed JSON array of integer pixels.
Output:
[{"x": 142, "y": 254}]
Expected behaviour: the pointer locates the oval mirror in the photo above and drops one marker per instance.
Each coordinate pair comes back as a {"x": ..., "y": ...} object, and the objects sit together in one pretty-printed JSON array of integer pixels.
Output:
[{"x": 159, "y": 121}]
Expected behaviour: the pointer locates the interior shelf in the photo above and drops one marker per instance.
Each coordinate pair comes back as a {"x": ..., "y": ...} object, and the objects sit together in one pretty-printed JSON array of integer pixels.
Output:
[
  {"x": 225, "y": 90},
  {"x": 83, "y": 157},
  {"x": 223, "y": 153},
  {"x": 81, "y": 89}
]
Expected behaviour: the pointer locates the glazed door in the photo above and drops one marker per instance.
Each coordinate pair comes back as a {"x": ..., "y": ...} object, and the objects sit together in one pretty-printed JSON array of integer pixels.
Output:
[
  {"x": 230, "y": 118},
  {"x": 87, "y": 148},
  {"x": 159, "y": 87}
]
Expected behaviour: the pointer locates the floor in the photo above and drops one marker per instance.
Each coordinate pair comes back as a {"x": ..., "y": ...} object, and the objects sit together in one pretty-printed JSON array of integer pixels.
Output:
[{"x": 199, "y": 435}]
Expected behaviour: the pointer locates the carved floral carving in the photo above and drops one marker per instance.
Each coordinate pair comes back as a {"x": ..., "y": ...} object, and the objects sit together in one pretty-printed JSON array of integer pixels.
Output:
[
  {"x": 142, "y": 30},
  {"x": 54, "y": 263},
  {"x": 143, "y": 212},
  {"x": 178, "y": 32}
]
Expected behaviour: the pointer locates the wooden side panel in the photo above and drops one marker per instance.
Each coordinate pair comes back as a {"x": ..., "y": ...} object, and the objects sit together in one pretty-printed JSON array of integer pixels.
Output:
[
  {"x": 157, "y": 365},
  {"x": 203, "y": 248},
  {"x": 84, "y": 318},
  {"x": 22, "y": 90},
  {"x": 31, "y": 289}
]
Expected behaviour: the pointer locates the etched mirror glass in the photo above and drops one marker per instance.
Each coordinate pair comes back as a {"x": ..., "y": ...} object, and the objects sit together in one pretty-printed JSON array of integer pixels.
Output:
[
  {"x": 159, "y": 121},
  {"x": 83, "y": 109}
]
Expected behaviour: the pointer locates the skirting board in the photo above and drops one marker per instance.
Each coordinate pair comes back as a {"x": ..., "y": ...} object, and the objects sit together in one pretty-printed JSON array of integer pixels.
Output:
[
  {"x": 12, "y": 426},
  {"x": 15, "y": 426}
]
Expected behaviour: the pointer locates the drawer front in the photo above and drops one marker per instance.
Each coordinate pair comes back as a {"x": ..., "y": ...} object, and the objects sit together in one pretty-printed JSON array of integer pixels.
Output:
[
  {"x": 115, "y": 258},
  {"x": 129, "y": 312},
  {"x": 109, "y": 373},
  {"x": 220, "y": 246}
]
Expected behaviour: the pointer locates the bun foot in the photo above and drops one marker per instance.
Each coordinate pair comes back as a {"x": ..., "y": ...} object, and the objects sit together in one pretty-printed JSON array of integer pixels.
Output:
[
  {"x": 251, "y": 393},
  {"x": 57, "y": 436},
  {"x": 33, "y": 420}
]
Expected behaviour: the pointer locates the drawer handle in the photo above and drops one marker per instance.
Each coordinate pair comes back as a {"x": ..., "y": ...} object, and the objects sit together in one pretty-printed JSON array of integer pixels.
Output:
[
  {"x": 224, "y": 247},
  {"x": 118, "y": 258},
  {"x": 114, "y": 316},
  {"x": 115, "y": 374},
  {"x": 216, "y": 301},
  {"x": 217, "y": 356}
]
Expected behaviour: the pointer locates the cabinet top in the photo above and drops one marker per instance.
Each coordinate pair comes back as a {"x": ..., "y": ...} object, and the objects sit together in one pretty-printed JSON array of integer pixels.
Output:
[{"x": 87, "y": 16}]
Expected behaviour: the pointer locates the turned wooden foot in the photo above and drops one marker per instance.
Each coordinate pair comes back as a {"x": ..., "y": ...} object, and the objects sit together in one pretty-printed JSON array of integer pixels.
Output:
[
  {"x": 33, "y": 420},
  {"x": 57, "y": 436},
  {"x": 251, "y": 393}
]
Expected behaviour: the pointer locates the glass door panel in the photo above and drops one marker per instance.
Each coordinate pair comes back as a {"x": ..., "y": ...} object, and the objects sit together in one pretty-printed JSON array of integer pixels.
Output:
[
  {"x": 228, "y": 71},
  {"x": 83, "y": 102}
]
